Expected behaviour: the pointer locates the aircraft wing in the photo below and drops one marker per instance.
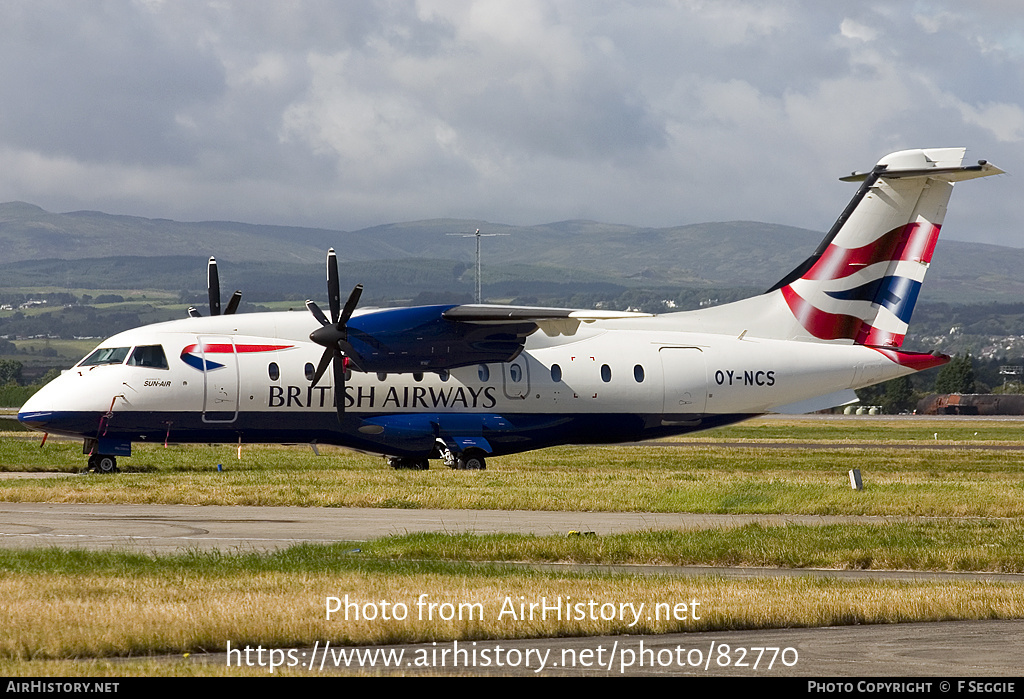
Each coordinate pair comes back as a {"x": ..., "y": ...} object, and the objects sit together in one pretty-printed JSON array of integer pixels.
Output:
[
  {"x": 485, "y": 313},
  {"x": 551, "y": 321},
  {"x": 434, "y": 338}
]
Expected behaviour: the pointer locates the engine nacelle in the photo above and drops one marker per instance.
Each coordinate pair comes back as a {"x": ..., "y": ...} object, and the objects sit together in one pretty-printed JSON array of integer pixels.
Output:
[{"x": 403, "y": 340}]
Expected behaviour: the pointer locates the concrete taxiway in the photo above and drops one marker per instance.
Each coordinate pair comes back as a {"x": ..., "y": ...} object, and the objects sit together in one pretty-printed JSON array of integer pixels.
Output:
[{"x": 171, "y": 527}]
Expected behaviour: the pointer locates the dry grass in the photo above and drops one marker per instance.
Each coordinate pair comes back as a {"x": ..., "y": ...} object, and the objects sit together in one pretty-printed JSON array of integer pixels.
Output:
[{"x": 97, "y": 615}]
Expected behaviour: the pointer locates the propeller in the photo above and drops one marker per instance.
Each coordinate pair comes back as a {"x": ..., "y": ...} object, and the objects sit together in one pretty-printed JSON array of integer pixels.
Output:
[
  {"x": 213, "y": 289},
  {"x": 333, "y": 335}
]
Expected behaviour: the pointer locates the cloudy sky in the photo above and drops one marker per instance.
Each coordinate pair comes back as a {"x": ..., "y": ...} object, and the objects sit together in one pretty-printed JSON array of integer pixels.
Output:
[{"x": 352, "y": 114}]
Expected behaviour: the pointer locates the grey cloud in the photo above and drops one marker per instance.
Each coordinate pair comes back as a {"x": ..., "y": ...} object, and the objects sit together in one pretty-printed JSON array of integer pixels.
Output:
[
  {"x": 88, "y": 84},
  {"x": 353, "y": 114}
]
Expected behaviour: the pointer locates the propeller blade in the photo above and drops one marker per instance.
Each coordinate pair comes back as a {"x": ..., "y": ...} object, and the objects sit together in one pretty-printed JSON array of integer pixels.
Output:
[
  {"x": 213, "y": 293},
  {"x": 317, "y": 313},
  {"x": 332, "y": 334},
  {"x": 233, "y": 302},
  {"x": 352, "y": 357},
  {"x": 333, "y": 286},
  {"x": 325, "y": 361},
  {"x": 339, "y": 382},
  {"x": 350, "y": 305},
  {"x": 213, "y": 286}
]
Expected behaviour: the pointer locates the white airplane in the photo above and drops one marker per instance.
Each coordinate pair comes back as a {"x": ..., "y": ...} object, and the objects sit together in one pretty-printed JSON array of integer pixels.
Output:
[{"x": 466, "y": 382}]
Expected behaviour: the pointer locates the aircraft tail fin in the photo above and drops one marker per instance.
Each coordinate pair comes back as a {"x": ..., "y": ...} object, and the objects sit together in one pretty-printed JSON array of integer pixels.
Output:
[{"x": 862, "y": 282}]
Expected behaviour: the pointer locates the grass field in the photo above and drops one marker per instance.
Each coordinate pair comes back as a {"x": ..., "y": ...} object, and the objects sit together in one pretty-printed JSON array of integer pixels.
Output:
[
  {"x": 690, "y": 476},
  {"x": 71, "y": 350},
  {"x": 129, "y": 604}
]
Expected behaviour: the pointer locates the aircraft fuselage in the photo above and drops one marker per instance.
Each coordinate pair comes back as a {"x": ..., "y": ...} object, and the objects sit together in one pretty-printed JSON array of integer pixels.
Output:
[{"x": 609, "y": 381}]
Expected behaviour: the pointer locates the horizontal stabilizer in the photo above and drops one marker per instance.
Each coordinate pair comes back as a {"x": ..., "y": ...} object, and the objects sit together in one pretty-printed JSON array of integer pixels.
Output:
[{"x": 938, "y": 163}]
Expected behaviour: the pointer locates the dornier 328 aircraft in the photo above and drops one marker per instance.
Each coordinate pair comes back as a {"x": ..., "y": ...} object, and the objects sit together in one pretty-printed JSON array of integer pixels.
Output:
[{"x": 462, "y": 383}]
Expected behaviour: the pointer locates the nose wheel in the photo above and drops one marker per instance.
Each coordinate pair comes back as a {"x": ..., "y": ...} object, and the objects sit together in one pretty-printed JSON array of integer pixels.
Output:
[{"x": 101, "y": 463}]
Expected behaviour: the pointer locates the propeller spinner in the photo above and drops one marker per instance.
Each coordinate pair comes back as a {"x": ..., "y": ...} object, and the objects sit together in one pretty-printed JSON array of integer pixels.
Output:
[
  {"x": 333, "y": 335},
  {"x": 213, "y": 290}
]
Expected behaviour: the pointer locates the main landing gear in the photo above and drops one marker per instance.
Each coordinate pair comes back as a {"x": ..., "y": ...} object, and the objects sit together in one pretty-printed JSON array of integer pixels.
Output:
[
  {"x": 470, "y": 460},
  {"x": 101, "y": 463},
  {"x": 407, "y": 464}
]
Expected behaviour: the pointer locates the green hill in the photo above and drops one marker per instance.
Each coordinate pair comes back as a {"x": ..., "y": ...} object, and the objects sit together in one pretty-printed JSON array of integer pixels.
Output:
[{"x": 87, "y": 249}]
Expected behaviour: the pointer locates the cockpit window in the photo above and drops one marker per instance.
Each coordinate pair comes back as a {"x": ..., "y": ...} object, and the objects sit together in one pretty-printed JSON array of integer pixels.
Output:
[
  {"x": 151, "y": 356},
  {"x": 106, "y": 355}
]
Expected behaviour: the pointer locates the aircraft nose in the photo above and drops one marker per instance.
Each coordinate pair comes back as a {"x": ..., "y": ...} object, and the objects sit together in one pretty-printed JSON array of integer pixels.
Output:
[
  {"x": 37, "y": 413},
  {"x": 34, "y": 419}
]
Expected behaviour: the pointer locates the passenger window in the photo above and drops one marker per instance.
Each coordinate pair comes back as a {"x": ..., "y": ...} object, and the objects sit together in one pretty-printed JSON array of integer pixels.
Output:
[
  {"x": 310, "y": 371},
  {"x": 606, "y": 373},
  {"x": 638, "y": 373},
  {"x": 106, "y": 355},
  {"x": 483, "y": 372},
  {"x": 417, "y": 376},
  {"x": 556, "y": 373},
  {"x": 151, "y": 356},
  {"x": 274, "y": 371},
  {"x": 515, "y": 372},
  {"x": 444, "y": 375}
]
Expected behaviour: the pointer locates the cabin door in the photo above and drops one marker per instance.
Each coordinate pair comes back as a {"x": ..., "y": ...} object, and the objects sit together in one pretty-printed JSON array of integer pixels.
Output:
[
  {"x": 220, "y": 376},
  {"x": 686, "y": 380}
]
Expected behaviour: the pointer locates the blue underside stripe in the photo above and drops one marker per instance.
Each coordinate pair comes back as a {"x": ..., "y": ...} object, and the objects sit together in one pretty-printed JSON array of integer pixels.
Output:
[{"x": 403, "y": 434}]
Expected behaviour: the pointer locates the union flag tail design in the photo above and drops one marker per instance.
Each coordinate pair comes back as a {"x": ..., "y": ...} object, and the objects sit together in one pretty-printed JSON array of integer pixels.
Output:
[{"x": 862, "y": 282}]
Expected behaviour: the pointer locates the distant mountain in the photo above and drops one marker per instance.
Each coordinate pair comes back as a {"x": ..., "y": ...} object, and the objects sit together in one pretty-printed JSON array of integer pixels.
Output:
[
  {"x": 724, "y": 254},
  {"x": 699, "y": 253},
  {"x": 27, "y": 232}
]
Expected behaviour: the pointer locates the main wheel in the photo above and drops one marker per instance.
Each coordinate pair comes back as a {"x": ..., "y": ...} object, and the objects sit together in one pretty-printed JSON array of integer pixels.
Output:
[
  {"x": 471, "y": 462},
  {"x": 101, "y": 463},
  {"x": 399, "y": 463}
]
